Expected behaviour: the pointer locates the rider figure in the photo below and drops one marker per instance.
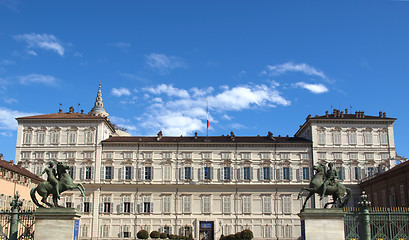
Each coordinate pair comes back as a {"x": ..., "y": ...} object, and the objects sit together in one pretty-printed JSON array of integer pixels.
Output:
[
  {"x": 330, "y": 176},
  {"x": 52, "y": 176}
]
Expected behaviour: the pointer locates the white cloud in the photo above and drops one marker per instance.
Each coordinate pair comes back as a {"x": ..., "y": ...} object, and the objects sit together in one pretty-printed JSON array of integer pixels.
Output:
[
  {"x": 118, "y": 92},
  {"x": 168, "y": 90},
  {"x": 7, "y": 62},
  {"x": 43, "y": 41},
  {"x": 8, "y": 118},
  {"x": 163, "y": 63},
  {"x": 37, "y": 78},
  {"x": 121, "y": 45},
  {"x": 10, "y": 100},
  {"x": 293, "y": 67},
  {"x": 122, "y": 122},
  {"x": 314, "y": 88}
]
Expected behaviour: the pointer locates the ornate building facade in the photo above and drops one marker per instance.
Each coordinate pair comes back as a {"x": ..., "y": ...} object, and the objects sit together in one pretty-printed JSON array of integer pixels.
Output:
[{"x": 199, "y": 186}]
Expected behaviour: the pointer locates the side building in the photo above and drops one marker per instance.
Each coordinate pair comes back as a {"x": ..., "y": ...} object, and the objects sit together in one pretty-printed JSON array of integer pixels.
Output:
[{"x": 198, "y": 186}]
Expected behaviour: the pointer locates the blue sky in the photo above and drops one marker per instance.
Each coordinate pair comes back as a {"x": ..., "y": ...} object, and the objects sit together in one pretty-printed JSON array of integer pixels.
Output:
[{"x": 264, "y": 65}]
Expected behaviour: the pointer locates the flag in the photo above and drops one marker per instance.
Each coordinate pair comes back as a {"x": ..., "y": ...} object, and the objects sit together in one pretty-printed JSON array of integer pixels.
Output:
[{"x": 207, "y": 112}]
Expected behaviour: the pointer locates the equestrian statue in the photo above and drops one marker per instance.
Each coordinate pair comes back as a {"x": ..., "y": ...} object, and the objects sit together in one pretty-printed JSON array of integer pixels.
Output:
[
  {"x": 323, "y": 183},
  {"x": 58, "y": 181}
]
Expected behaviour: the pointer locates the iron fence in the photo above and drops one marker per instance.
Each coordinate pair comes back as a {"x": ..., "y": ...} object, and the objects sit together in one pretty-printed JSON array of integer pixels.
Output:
[{"x": 26, "y": 222}]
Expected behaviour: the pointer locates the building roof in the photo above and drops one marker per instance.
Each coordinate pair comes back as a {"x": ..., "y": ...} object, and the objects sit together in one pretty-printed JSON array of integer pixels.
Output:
[
  {"x": 62, "y": 115},
  {"x": 20, "y": 170},
  {"x": 210, "y": 139},
  {"x": 341, "y": 115},
  {"x": 391, "y": 172}
]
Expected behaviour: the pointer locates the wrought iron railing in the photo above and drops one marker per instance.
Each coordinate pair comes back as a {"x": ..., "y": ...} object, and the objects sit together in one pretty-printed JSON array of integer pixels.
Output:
[{"x": 383, "y": 223}]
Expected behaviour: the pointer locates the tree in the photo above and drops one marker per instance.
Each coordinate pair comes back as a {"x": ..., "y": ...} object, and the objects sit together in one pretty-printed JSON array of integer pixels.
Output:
[
  {"x": 163, "y": 236},
  {"x": 246, "y": 234},
  {"x": 142, "y": 234},
  {"x": 155, "y": 234}
]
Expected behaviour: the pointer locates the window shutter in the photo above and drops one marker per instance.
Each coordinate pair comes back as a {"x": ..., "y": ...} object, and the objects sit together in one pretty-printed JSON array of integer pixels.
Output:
[
  {"x": 119, "y": 208},
  {"x": 170, "y": 230},
  {"x": 120, "y": 172},
  {"x": 241, "y": 173},
  {"x": 143, "y": 173},
  {"x": 260, "y": 173},
  {"x": 211, "y": 173},
  {"x": 181, "y": 170},
  {"x": 131, "y": 207},
  {"x": 140, "y": 207},
  {"x": 113, "y": 172},
  {"x": 192, "y": 172},
  {"x": 82, "y": 207},
  {"x": 231, "y": 173},
  {"x": 238, "y": 174},
  {"x": 220, "y": 174},
  {"x": 74, "y": 169},
  {"x": 251, "y": 173},
  {"x": 200, "y": 175},
  {"x": 82, "y": 170},
  {"x": 152, "y": 172},
  {"x": 111, "y": 207},
  {"x": 291, "y": 173},
  {"x": 101, "y": 207},
  {"x": 298, "y": 172},
  {"x": 271, "y": 173},
  {"x": 90, "y": 207},
  {"x": 92, "y": 172},
  {"x": 102, "y": 172},
  {"x": 359, "y": 173},
  {"x": 132, "y": 173},
  {"x": 280, "y": 173},
  {"x": 139, "y": 173},
  {"x": 151, "y": 207}
]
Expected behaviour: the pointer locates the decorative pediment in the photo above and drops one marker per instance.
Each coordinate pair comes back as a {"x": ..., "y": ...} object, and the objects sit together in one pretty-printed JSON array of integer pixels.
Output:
[
  {"x": 226, "y": 162},
  {"x": 266, "y": 162},
  {"x": 322, "y": 161},
  {"x": 28, "y": 129},
  {"x": 370, "y": 162},
  {"x": 167, "y": 162},
  {"x": 89, "y": 129},
  {"x": 336, "y": 129},
  {"x": 207, "y": 162},
  {"x": 246, "y": 162},
  {"x": 305, "y": 162},
  {"x": 148, "y": 162},
  {"x": 73, "y": 128},
  {"x": 322, "y": 129},
  {"x": 127, "y": 162},
  {"x": 42, "y": 129},
  {"x": 285, "y": 162},
  {"x": 71, "y": 161},
  {"x": 339, "y": 161},
  {"x": 352, "y": 129},
  {"x": 187, "y": 161},
  {"x": 354, "y": 162},
  {"x": 368, "y": 129},
  {"x": 55, "y": 129}
]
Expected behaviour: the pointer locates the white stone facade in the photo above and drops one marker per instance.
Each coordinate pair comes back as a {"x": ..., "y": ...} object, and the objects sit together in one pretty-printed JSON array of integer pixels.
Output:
[{"x": 178, "y": 185}]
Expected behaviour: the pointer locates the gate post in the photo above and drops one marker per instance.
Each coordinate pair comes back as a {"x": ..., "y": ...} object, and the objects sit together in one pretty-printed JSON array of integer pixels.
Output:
[
  {"x": 15, "y": 208},
  {"x": 365, "y": 227}
]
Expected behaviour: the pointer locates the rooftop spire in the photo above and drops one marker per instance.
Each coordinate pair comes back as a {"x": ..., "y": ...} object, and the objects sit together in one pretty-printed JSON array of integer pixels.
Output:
[{"x": 98, "y": 109}]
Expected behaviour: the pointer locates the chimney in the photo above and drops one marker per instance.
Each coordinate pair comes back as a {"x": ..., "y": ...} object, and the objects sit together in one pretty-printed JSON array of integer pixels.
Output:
[
  {"x": 326, "y": 114},
  {"x": 380, "y": 114},
  {"x": 308, "y": 117},
  {"x": 342, "y": 114},
  {"x": 195, "y": 135},
  {"x": 60, "y": 110},
  {"x": 82, "y": 111},
  {"x": 346, "y": 110},
  {"x": 71, "y": 110},
  {"x": 363, "y": 114},
  {"x": 1, "y": 156},
  {"x": 356, "y": 114},
  {"x": 384, "y": 114},
  {"x": 232, "y": 135},
  {"x": 159, "y": 136},
  {"x": 270, "y": 135}
]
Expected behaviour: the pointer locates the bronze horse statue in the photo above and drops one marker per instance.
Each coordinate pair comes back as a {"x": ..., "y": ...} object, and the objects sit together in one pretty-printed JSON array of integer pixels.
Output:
[
  {"x": 65, "y": 183},
  {"x": 337, "y": 190}
]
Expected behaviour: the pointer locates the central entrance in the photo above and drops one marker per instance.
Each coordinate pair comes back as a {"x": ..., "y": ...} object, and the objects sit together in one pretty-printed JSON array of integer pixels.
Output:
[{"x": 206, "y": 230}]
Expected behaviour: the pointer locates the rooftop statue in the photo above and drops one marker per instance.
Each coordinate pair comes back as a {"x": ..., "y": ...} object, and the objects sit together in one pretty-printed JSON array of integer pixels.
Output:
[
  {"x": 57, "y": 182},
  {"x": 323, "y": 183}
]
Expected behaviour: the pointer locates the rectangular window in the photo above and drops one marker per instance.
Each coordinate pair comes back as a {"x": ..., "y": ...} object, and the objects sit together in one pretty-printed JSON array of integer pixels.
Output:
[
  {"x": 288, "y": 233},
  {"x": 53, "y": 155},
  {"x": 337, "y": 156},
  {"x": 384, "y": 156},
  {"x": 108, "y": 172},
  {"x": 322, "y": 156},
  {"x": 125, "y": 233},
  {"x": 188, "y": 173},
  {"x": 187, "y": 155},
  {"x": 39, "y": 155},
  {"x": 126, "y": 204},
  {"x": 368, "y": 138},
  {"x": 147, "y": 155},
  {"x": 105, "y": 231},
  {"x": 266, "y": 204},
  {"x": 128, "y": 155},
  {"x": 265, "y": 156},
  {"x": 27, "y": 137},
  {"x": 267, "y": 231},
  {"x": 384, "y": 138},
  {"x": 226, "y": 155},
  {"x": 285, "y": 156},
  {"x": 341, "y": 173},
  {"x": 321, "y": 137},
  {"x": 72, "y": 172},
  {"x": 84, "y": 231},
  {"x": 353, "y": 156},
  {"x": 206, "y": 204},
  {"x": 227, "y": 173},
  {"x": 88, "y": 155},
  {"x": 266, "y": 173},
  {"x": 107, "y": 155},
  {"x": 247, "y": 204},
  {"x": 186, "y": 204},
  {"x": 337, "y": 138},
  {"x": 352, "y": 138},
  {"x": 286, "y": 204},
  {"x": 86, "y": 204},
  {"x": 369, "y": 156},
  {"x": 207, "y": 173},
  {"x": 246, "y": 173},
  {"x": 25, "y": 155},
  {"x": 128, "y": 172},
  {"x": 88, "y": 172},
  {"x": 89, "y": 137},
  {"x": 166, "y": 204},
  {"x": 70, "y": 155},
  {"x": 68, "y": 201},
  {"x": 357, "y": 173},
  {"x": 286, "y": 173},
  {"x": 206, "y": 155},
  {"x": 245, "y": 156},
  {"x": 304, "y": 156},
  {"x": 370, "y": 171},
  {"x": 41, "y": 138},
  {"x": 72, "y": 138},
  {"x": 306, "y": 173},
  {"x": 147, "y": 205},
  {"x": 167, "y": 155},
  {"x": 107, "y": 205},
  {"x": 166, "y": 173},
  {"x": 55, "y": 137},
  {"x": 226, "y": 204},
  {"x": 148, "y": 173}
]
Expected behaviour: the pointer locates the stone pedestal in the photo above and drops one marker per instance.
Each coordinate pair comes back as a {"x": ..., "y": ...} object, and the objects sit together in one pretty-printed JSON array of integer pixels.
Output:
[
  {"x": 56, "y": 223},
  {"x": 322, "y": 224}
]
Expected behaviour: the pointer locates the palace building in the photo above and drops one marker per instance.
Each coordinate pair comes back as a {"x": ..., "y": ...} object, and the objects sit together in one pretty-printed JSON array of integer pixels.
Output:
[{"x": 200, "y": 186}]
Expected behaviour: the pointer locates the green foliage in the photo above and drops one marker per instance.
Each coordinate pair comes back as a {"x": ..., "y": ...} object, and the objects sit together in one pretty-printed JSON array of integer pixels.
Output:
[
  {"x": 163, "y": 236},
  {"x": 142, "y": 234},
  {"x": 171, "y": 236},
  {"x": 155, "y": 234}
]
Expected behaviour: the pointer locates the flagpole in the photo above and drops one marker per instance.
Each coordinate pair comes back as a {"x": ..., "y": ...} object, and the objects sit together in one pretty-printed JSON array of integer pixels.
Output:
[{"x": 207, "y": 117}]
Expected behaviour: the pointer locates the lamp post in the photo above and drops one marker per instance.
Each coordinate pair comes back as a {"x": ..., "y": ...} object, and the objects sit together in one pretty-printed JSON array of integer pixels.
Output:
[{"x": 15, "y": 208}]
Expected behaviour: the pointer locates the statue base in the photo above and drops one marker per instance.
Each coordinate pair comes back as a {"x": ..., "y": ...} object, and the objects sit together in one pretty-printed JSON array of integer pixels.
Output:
[
  {"x": 322, "y": 224},
  {"x": 56, "y": 223}
]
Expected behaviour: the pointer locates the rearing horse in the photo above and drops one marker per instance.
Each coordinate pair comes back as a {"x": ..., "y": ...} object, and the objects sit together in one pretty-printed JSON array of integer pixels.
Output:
[
  {"x": 44, "y": 189},
  {"x": 337, "y": 190}
]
